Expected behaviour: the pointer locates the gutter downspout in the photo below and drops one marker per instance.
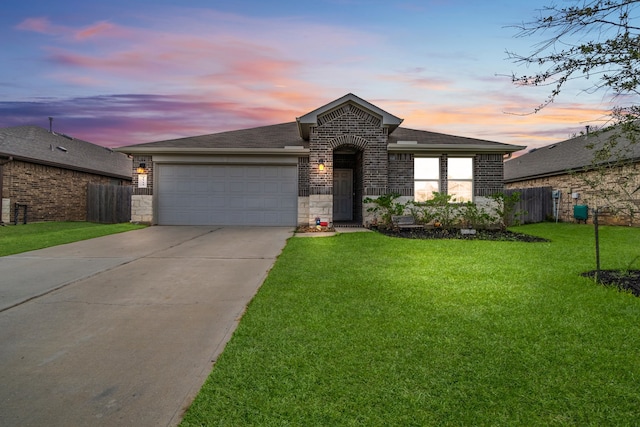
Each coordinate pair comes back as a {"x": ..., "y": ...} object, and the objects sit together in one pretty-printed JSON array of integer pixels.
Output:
[{"x": 2, "y": 163}]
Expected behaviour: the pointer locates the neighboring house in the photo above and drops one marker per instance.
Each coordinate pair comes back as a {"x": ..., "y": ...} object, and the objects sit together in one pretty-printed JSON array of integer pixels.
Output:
[
  {"x": 48, "y": 173},
  {"x": 323, "y": 166},
  {"x": 568, "y": 167}
]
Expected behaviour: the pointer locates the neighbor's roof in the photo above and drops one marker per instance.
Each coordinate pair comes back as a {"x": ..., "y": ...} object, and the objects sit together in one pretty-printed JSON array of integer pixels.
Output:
[
  {"x": 285, "y": 139},
  {"x": 562, "y": 157},
  {"x": 37, "y": 145}
]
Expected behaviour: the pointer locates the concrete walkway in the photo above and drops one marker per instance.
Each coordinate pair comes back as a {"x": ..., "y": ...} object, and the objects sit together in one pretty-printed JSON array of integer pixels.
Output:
[{"x": 123, "y": 330}]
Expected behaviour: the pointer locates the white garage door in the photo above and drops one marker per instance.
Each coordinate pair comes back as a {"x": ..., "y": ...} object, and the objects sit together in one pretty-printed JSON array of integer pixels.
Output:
[{"x": 227, "y": 195}]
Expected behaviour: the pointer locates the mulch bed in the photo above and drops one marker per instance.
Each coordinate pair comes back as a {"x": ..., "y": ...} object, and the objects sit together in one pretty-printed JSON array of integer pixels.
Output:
[
  {"x": 437, "y": 233},
  {"x": 626, "y": 280}
]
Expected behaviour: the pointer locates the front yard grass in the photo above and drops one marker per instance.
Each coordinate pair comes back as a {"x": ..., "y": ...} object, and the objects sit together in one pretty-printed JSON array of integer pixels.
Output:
[
  {"x": 363, "y": 329},
  {"x": 15, "y": 239}
]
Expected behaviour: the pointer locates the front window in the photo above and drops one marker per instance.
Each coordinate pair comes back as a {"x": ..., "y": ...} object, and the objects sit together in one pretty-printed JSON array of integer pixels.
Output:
[
  {"x": 426, "y": 177},
  {"x": 460, "y": 178}
]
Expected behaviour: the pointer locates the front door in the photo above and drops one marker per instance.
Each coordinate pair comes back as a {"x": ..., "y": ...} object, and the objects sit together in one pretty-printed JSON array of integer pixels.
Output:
[{"x": 342, "y": 195}]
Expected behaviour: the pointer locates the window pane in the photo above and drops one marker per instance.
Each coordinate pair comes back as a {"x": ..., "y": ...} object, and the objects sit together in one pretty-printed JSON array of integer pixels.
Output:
[
  {"x": 462, "y": 191},
  {"x": 426, "y": 168},
  {"x": 423, "y": 190},
  {"x": 460, "y": 168}
]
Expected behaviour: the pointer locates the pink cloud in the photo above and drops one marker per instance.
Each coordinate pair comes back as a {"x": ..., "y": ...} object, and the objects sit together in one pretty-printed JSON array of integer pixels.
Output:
[
  {"x": 38, "y": 25},
  {"x": 97, "y": 29}
]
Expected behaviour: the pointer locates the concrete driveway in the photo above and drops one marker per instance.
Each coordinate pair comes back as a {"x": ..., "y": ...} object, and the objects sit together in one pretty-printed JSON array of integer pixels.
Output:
[{"x": 123, "y": 329}]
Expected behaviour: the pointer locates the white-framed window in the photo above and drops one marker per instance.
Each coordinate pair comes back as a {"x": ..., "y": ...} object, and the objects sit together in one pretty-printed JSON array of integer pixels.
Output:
[
  {"x": 426, "y": 177},
  {"x": 460, "y": 178}
]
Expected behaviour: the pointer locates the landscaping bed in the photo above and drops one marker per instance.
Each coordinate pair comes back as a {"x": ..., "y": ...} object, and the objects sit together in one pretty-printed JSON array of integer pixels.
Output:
[
  {"x": 438, "y": 233},
  {"x": 625, "y": 280}
]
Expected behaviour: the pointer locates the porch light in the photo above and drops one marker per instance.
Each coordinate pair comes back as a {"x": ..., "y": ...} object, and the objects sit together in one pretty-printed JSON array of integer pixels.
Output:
[
  {"x": 141, "y": 168},
  {"x": 321, "y": 165}
]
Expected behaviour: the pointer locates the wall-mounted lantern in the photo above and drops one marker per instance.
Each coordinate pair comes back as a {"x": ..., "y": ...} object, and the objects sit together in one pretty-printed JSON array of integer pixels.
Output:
[
  {"x": 321, "y": 165},
  {"x": 141, "y": 168}
]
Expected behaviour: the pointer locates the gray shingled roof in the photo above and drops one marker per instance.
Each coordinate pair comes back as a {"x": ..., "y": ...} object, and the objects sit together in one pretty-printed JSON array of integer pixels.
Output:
[
  {"x": 424, "y": 139},
  {"x": 559, "y": 158},
  {"x": 287, "y": 135},
  {"x": 38, "y": 145},
  {"x": 274, "y": 136}
]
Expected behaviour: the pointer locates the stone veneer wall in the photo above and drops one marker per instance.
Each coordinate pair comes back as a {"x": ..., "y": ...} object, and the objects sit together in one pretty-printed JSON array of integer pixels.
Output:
[
  {"x": 6, "y": 211},
  {"x": 142, "y": 208},
  {"x": 568, "y": 184},
  {"x": 51, "y": 193}
]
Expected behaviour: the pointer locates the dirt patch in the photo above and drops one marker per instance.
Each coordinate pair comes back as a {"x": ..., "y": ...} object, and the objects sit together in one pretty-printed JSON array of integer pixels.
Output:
[
  {"x": 436, "y": 233},
  {"x": 624, "y": 280}
]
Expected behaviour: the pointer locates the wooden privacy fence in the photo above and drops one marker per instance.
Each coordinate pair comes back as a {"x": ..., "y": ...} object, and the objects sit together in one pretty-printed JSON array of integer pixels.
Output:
[
  {"x": 108, "y": 204},
  {"x": 536, "y": 204}
]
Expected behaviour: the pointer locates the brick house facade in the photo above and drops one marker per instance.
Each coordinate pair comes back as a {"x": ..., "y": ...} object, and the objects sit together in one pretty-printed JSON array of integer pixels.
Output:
[
  {"x": 49, "y": 173},
  {"x": 337, "y": 156},
  {"x": 567, "y": 167}
]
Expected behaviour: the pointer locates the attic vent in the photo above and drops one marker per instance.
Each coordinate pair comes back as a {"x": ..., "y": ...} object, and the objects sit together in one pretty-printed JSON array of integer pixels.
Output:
[
  {"x": 61, "y": 148},
  {"x": 408, "y": 142},
  {"x": 552, "y": 146},
  {"x": 330, "y": 116},
  {"x": 66, "y": 136}
]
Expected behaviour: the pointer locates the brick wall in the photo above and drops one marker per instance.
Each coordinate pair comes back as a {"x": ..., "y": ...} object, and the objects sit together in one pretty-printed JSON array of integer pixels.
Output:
[
  {"x": 349, "y": 126},
  {"x": 568, "y": 184},
  {"x": 401, "y": 173},
  {"x": 148, "y": 170},
  {"x": 51, "y": 193},
  {"x": 488, "y": 174},
  {"x": 303, "y": 176}
]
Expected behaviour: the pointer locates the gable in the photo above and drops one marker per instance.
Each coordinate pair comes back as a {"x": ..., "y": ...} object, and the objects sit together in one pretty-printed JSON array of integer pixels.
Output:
[{"x": 347, "y": 104}]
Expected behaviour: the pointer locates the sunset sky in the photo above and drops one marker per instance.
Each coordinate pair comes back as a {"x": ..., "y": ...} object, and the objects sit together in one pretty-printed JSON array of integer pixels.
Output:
[{"x": 119, "y": 73}]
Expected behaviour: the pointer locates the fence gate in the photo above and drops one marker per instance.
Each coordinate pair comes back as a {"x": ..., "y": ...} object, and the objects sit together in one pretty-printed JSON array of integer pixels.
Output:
[
  {"x": 108, "y": 204},
  {"x": 535, "y": 204}
]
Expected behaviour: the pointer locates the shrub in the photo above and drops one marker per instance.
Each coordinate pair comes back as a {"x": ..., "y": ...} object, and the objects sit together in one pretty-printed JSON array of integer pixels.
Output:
[
  {"x": 472, "y": 217},
  {"x": 385, "y": 206}
]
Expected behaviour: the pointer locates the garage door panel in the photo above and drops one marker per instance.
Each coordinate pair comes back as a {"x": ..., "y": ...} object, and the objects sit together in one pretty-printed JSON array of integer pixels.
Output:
[{"x": 227, "y": 195}]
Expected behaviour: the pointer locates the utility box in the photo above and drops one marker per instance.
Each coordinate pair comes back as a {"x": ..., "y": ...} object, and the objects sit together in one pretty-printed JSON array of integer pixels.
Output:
[{"x": 581, "y": 212}]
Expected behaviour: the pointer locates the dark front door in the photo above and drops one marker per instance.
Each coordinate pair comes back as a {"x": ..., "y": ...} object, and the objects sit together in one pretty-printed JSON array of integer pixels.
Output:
[{"x": 342, "y": 195}]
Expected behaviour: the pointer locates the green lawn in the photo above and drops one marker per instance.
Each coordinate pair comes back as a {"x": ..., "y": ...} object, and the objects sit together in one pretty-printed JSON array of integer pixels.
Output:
[
  {"x": 367, "y": 330},
  {"x": 15, "y": 239}
]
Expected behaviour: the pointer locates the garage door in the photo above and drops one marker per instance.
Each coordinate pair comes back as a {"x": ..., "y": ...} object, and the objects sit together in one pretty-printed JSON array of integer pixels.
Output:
[{"x": 227, "y": 195}]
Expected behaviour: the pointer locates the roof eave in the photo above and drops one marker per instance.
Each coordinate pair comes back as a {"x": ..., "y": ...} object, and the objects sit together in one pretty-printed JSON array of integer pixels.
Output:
[
  {"x": 294, "y": 150},
  {"x": 452, "y": 148},
  {"x": 70, "y": 167}
]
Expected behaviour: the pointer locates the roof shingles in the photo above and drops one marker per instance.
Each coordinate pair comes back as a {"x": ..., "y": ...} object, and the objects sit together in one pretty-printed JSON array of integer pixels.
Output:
[{"x": 37, "y": 145}]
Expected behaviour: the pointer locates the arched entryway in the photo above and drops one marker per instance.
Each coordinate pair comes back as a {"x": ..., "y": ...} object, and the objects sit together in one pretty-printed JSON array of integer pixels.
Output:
[{"x": 347, "y": 185}]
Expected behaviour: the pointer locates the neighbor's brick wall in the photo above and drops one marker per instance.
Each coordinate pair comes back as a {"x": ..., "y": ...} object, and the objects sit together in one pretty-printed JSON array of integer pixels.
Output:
[
  {"x": 51, "y": 193},
  {"x": 568, "y": 184}
]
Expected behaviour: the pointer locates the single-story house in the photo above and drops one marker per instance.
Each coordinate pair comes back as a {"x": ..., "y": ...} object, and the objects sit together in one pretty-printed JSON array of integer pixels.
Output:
[
  {"x": 47, "y": 173},
  {"x": 610, "y": 183},
  {"x": 322, "y": 165}
]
